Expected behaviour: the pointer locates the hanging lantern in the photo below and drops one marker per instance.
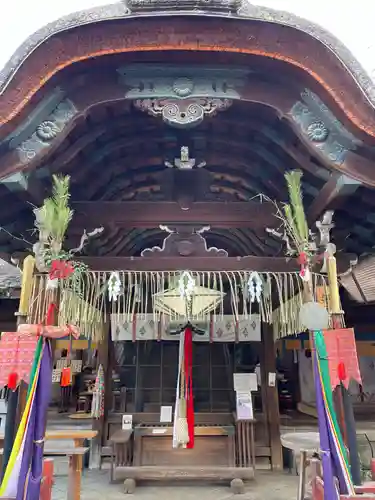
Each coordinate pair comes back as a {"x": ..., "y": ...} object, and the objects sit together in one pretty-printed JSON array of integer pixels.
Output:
[
  {"x": 314, "y": 316},
  {"x": 203, "y": 301}
]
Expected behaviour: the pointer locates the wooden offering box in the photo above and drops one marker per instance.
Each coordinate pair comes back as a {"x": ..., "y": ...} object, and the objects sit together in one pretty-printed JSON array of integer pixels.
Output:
[
  {"x": 214, "y": 445},
  {"x": 213, "y": 457}
]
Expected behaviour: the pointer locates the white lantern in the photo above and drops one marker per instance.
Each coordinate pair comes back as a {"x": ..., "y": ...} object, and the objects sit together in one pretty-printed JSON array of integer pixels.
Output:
[{"x": 314, "y": 316}]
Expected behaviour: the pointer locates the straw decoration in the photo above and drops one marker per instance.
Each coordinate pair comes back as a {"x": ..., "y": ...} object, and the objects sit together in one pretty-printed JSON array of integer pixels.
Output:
[{"x": 279, "y": 302}]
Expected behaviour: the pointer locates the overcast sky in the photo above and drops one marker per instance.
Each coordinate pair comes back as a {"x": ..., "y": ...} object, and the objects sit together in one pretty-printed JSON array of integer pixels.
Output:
[{"x": 351, "y": 21}]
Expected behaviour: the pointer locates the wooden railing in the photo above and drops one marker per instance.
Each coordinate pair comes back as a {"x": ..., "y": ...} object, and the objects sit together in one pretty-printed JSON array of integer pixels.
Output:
[
  {"x": 122, "y": 451},
  {"x": 245, "y": 443}
]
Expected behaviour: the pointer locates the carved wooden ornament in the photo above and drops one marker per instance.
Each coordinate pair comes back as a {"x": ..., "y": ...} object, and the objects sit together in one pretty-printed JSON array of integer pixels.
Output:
[{"x": 184, "y": 242}]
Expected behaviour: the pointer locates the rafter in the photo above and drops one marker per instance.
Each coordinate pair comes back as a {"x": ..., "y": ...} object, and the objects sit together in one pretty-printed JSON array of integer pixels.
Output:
[
  {"x": 125, "y": 138},
  {"x": 151, "y": 214},
  {"x": 241, "y": 169}
]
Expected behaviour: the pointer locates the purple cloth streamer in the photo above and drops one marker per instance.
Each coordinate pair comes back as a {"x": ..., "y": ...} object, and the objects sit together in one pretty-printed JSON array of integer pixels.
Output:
[
  {"x": 330, "y": 491},
  {"x": 32, "y": 460}
]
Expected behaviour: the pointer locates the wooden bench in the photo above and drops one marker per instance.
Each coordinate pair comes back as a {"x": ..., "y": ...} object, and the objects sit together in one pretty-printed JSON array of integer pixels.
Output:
[
  {"x": 77, "y": 435},
  {"x": 75, "y": 456}
]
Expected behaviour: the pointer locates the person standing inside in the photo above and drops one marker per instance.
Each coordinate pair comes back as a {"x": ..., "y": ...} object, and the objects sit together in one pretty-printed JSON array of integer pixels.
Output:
[{"x": 65, "y": 385}]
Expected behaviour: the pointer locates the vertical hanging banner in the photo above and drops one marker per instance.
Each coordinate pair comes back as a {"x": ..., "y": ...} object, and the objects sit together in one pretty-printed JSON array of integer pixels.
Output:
[
  {"x": 334, "y": 452},
  {"x": 16, "y": 355},
  {"x": 342, "y": 356}
]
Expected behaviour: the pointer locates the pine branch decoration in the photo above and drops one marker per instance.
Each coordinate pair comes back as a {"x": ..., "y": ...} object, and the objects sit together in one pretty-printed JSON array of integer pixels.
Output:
[
  {"x": 294, "y": 212},
  {"x": 54, "y": 216}
]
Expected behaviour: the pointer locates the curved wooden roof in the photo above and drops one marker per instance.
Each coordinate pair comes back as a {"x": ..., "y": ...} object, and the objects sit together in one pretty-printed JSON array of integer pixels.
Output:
[
  {"x": 190, "y": 32},
  {"x": 128, "y": 10}
]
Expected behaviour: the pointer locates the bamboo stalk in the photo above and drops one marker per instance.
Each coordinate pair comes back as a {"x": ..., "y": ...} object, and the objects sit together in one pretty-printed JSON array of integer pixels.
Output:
[
  {"x": 334, "y": 295},
  {"x": 26, "y": 287}
]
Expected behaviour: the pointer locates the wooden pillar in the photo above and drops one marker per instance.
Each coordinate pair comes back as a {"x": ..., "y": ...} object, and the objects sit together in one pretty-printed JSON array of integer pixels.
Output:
[
  {"x": 98, "y": 424},
  {"x": 271, "y": 404}
]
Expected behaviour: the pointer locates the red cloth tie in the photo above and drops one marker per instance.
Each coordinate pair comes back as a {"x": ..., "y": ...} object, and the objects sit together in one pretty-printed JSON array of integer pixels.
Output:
[{"x": 60, "y": 269}]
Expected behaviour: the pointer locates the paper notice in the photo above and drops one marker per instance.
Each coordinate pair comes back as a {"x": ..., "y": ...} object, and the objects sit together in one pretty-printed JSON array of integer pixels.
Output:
[
  {"x": 166, "y": 414},
  {"x": 244, "y": 406},
  {"x": 159, "y": 431},
  {"x": 272, "y": 379},
  {"x": 245, "y": 382},
  {"x": 127, "y": 422}
]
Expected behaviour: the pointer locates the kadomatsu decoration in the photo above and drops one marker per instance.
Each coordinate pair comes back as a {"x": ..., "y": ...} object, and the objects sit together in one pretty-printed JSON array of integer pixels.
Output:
[{"x": 52, "y": 220}]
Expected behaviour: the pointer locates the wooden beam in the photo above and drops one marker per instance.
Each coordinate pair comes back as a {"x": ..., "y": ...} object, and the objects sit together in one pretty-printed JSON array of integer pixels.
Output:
[
  {"x": 152, "y": 214},
  {"x": 28, "y": 188},
  {"x": 337, "y": 186},
  {"x": 259, "y": 264}
]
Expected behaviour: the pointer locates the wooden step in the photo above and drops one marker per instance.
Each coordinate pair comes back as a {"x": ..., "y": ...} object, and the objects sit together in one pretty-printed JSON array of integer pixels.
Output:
[{"x": 209, "y": 473}]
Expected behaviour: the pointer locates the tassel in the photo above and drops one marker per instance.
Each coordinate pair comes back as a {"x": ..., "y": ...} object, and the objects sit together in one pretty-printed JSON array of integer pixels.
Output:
[
  {"x": 12, "y": 381},
  {"x": 341, "y": 371}
]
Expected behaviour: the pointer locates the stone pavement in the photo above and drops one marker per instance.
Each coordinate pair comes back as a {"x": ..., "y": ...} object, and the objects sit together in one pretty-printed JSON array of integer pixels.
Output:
[{"x": 267, "y": 485}]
